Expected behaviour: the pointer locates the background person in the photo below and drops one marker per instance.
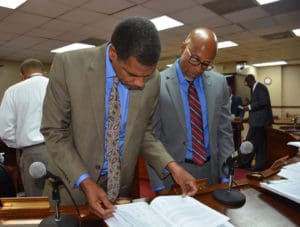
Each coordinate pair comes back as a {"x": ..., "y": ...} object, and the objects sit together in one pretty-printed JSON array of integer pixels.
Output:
[
  {"x": 260, "y": 116},
  {"x": 20, "y": 121}
]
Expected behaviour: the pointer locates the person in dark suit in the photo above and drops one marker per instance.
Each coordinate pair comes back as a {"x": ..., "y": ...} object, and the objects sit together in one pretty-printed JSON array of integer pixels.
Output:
[
  {"x": 76, "y": 117},
  {"x": 173, "y": 118},
  {"x": 260, "y": 117},
  {"x": 237, "y": 114}
]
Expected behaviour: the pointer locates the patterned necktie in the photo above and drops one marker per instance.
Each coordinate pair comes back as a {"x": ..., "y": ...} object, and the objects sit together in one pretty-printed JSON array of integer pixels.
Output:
[
  {"x": 112, "y": 143},
  {"x": 198, "y": 147}
]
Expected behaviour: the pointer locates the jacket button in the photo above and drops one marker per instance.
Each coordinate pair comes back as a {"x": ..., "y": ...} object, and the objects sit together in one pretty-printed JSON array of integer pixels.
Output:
[{"x": 97, "y": 166}]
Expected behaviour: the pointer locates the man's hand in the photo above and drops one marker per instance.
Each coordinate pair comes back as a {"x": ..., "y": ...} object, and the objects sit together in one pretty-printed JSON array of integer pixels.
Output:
[
  {"x": 162, "y": 192},
  {"x": 246, "y": 108},
  {"x": 97, "y": 199},
  {"x": 185, "y": 180}
]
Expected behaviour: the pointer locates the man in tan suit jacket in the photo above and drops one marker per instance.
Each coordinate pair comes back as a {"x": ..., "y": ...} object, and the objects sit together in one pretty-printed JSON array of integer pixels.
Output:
[{"x": 74, "y": 115}]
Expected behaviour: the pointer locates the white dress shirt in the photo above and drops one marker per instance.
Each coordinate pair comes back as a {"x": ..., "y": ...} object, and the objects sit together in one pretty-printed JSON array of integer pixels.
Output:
[{"x": 21, "y": 112}]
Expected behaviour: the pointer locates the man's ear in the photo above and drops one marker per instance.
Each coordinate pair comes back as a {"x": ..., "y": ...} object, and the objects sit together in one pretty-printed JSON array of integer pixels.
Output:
[
  {"x": 112, "y": 53},
  {"x": 182, "y": 47}
]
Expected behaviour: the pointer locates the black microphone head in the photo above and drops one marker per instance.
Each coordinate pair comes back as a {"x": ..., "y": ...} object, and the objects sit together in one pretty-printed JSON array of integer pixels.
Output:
[
  {"x": 246, "y": 147},
  {"x": 37, "y": 170}
]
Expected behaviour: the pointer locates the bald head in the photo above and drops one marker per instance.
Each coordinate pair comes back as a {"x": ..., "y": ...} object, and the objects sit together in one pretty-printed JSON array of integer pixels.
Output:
[
  {"x": 204, "y": 40},
  {"x": 200, "y": 44}
]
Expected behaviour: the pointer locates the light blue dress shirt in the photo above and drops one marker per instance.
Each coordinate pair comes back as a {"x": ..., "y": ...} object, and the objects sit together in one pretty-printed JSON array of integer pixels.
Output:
[{"x": 184, "y": 85}]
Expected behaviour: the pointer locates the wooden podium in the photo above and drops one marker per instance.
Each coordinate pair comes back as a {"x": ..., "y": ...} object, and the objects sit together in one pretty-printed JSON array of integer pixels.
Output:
[{"x": 262, "y": 208}]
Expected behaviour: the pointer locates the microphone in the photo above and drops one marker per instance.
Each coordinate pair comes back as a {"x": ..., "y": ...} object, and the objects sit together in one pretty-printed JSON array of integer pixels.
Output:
[
  {"x": 245, "y": 148},
  {"x": 38, "y": 170},
  {"x": 227, "y": 195}
]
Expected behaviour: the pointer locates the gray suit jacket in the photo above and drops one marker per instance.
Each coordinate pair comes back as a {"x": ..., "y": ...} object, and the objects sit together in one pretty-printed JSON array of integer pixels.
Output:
[
  {"x": 170, "y": 127},
  {"x": 261, "y": 111},
  {"x": 74, "y": 121}
]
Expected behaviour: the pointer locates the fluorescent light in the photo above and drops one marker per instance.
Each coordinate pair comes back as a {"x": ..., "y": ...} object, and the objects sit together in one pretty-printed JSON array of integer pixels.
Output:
[
  {"x": 271, "y": 63},
  {"x": 263, "y": 2},
  {"x": 296, "y": 31},
  {"x": 169, "y": 65},
  {"x": 73, "y": 46},
  {"x": 11, "y": 4},
  {"x": 226, "y": 44},
  {"x": 165, "y": 22}
]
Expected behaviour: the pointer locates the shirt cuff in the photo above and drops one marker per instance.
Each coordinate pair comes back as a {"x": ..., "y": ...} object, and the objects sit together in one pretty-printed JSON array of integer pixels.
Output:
[
  {"x": 82, "y": 178},
  {"x": 158, "y": 188},
  {"x": 224, "y": 179},
  {"x": 249, "y": 107}
]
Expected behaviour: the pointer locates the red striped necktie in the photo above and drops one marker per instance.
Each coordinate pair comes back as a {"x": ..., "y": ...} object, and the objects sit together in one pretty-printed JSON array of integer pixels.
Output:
[{"x": 198, "y": 146}]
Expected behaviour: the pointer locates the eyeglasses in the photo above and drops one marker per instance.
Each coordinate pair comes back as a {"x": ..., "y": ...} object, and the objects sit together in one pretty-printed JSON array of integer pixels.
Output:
[{"x": 195, "y": 61}]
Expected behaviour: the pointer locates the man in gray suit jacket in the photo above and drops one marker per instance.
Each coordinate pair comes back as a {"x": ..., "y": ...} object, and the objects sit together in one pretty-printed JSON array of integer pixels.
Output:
[
  {"x": 172, "y": 119},
  {"x": 75, "y": 116},
  {"x": 260, "y": 116}
]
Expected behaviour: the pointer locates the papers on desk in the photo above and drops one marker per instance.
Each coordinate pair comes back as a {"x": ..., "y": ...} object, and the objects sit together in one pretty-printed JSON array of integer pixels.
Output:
[
  {"x": 289, "y": 187},
  {"x": 167, "y": 211}
]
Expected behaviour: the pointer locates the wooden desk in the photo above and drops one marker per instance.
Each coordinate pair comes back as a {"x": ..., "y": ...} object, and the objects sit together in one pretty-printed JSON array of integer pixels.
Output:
[{"x": 262, "y": 208}]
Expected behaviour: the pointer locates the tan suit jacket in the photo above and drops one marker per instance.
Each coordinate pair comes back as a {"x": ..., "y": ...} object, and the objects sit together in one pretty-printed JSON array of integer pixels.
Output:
[{"x": 74, "y": 121}]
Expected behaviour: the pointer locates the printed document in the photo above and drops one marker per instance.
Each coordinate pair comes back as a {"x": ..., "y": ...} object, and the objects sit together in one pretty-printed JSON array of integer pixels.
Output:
[{"x": 167, "y": 211}]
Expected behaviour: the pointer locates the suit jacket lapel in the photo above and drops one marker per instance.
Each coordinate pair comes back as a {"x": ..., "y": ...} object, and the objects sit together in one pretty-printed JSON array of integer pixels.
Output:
[
  {"x": 134, "y": 105},
  {"x": 209, "y": 94},
  {"x": 96, "y": 81},
  {"x": 174, "y": 91}
]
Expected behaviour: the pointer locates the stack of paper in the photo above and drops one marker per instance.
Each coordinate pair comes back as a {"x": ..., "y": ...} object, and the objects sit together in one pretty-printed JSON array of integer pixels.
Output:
[
  {"x": 288, "y": 187},
  {"x": 167, "y": 211}
]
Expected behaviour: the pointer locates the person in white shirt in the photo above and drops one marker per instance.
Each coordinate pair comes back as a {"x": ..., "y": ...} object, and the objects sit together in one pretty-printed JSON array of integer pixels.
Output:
[{"x": 20, "y": 121}]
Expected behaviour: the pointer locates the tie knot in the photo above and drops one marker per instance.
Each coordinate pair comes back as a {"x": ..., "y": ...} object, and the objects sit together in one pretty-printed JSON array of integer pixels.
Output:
[{"x": 191, "y": 82}]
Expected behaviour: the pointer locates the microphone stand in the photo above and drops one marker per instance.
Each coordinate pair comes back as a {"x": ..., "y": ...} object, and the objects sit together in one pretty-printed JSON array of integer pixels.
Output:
[
  {"x": 229, "y": 196},
  {"x": 57, "y": 219}
]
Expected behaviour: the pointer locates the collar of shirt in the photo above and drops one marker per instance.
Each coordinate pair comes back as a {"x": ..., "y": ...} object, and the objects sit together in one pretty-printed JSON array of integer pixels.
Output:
[
  {"x": 109, "y": 70},
  {"x": 254, "y": 86},
  {"x": 182, "y": 79},
  {"x": 35, "y": 74}
]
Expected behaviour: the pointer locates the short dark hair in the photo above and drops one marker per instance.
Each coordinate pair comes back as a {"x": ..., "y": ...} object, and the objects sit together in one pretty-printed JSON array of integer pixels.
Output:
[
  {"x": 137, "y": 37},
  {"x": 250, "y": 77},
  {"x": 29, "y": 64}
]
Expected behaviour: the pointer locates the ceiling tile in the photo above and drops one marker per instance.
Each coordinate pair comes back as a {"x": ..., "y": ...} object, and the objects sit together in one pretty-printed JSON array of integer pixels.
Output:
[
  {"x": 246, "y": 14},
  {"x": 137, "y": 10},
  {"x": 224, "y": 6},
  {"x": 71, "y": 2},
  {"x": 48, "y": 8},
  {"x": 49, "y": 45},
  {"x": 259, "y": 23},
  {"x": 290, "y": 20},
  {"x": 23, "y": 42},
  {"x": 102, "y": 6},
  {"x": 82, "y": 16},
  {"x": 229, "y": 29},
  {"x": 14, "y": 28},
  {"x": 169, "y": 6},
  {"x": 4, "y": 12},
  {"x": 6, "y": 36},
  {"x": 26, "y": 19},
  {"x": 283, "y": 6},
  {"x": 193, "y": 15}
]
